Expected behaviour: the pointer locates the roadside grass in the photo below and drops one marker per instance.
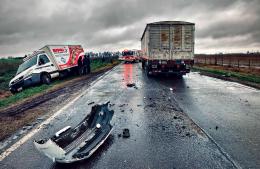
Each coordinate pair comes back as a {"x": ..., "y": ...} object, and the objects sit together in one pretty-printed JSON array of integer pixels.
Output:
[
  {"x": 8, "y": 68},
  {"x": 96, "y": 65},
  {"x": 237, "y": 75}
]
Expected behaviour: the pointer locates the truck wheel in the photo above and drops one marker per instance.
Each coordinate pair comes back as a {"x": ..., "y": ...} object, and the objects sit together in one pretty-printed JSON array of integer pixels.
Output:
[
  {"x": 148, "y": 72},
  {"x": 46, "y": 79},
  {"x": 143, "y": 65},
  {"x": 179, "y": 76}
]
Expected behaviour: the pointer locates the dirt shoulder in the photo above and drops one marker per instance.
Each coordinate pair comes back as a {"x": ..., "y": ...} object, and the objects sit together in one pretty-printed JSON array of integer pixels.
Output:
[
  {"x": 249, "y": 77},
  {"x": 26, "y": 113}
]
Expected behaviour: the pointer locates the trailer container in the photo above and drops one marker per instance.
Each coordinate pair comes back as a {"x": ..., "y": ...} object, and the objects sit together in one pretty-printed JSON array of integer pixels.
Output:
[{"x": 168, "y": 47}]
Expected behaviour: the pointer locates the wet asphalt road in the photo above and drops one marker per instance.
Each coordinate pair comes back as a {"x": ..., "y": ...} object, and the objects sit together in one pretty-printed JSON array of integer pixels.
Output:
[
  {"x": 162, "y": 136},
  {"x": 232, "y": 107}
]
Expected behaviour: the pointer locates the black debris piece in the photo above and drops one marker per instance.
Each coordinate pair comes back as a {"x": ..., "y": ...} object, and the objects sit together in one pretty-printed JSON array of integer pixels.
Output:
[
  {"x": 121, "y": 105},
  {"x": 130, "y": 84},
  {"x": 126, "y": 133},
  {"x": 91, "y": 103},
  {"x": 216, "y": 127},
  {"x": 111, "y": 105}
]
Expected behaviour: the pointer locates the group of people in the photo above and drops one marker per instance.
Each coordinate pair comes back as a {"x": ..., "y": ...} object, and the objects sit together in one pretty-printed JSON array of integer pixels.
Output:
[{"x": 84, "y": 65}]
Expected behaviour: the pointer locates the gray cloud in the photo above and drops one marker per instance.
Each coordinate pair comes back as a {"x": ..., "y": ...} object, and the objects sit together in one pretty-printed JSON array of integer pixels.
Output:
[{"x": 26, "y": 25}]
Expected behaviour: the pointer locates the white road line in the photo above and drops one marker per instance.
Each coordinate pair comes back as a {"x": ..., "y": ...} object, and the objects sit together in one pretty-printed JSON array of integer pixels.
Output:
[{"x": 47, "y": 121}]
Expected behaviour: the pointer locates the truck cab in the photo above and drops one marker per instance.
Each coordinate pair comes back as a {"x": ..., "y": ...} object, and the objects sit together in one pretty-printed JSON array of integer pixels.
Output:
[
  {"x": 129, "y": 56},
  {"x": 37, "y": 68}
]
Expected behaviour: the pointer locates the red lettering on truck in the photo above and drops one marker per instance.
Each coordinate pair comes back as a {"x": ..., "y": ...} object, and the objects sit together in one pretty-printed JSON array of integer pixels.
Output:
[{"x": 59, "y": 50}]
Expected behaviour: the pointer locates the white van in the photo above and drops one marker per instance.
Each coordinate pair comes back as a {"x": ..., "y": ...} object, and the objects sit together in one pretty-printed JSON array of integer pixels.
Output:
[{"x": 45, "y": 64}]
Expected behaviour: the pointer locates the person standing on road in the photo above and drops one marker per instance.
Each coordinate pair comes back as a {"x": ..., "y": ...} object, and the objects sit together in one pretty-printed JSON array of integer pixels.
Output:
[
  {"x": 80, "y": 65},
  {"x": 85, "y": 64},
  {"x": 88, "y": 64}
]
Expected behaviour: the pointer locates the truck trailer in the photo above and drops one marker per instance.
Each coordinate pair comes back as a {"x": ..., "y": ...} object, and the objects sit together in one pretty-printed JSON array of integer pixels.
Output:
[
  {"x": 168, "y": 47},
  {"x": 49, "y": 62}
]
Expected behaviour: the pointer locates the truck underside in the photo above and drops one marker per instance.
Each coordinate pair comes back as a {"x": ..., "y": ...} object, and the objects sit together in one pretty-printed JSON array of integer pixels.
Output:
[{"x": 177, "y": 67}]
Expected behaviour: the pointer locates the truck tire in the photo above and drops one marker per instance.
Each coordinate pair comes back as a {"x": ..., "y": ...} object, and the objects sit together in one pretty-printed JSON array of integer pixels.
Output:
[
  {"x": 179, "y": 76},
  {"x": 46, "y": 78},
  {"x": 143, "y": 65},
  {"x": 147, "y": 71}
]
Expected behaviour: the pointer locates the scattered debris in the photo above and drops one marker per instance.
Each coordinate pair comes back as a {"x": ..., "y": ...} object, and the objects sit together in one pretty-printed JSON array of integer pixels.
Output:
[
  {"x": 126, "y": 133},
  {"x": 15, "y": 137},
  {"x": 188, "y": 86},
  {"x": 119, "y": 135},
  {"x": 122, "y": 110},
  {"x": 40, "y": 119},
  {"x": 91, "y": 103},
  {"x": 139, "y": 105},
  {"x": 175, "y": 117},
  {"x": 130, "y": 85},
  {"x": 171, "y": 89},
  {"x": 216, "y": 127},
  {"x": 163, "y": 128},
  {"x": 122, "y": 105},
  {"x": 188, "y": 134},
  {"x": 111, "y": 105},
  {"x": 27, "y": 127},
  {"x": 183, "y": 127}
]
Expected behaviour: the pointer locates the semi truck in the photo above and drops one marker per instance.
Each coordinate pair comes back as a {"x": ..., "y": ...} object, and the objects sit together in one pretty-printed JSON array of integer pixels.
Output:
[
  {"x": 43, "y": 65},
  {"x": 168, "y": 47}
]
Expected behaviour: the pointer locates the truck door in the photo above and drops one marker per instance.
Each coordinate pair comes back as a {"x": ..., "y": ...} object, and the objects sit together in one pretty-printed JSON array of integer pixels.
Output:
[{"x": 45, "y": 65}]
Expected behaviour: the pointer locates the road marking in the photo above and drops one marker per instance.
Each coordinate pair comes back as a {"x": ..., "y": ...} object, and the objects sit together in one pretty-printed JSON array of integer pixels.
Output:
[{"x": 46, "y": 122}]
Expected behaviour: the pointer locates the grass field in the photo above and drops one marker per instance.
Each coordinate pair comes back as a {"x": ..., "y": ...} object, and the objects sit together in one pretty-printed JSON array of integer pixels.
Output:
[
  {"x": 248, "y": 77},
  {"x": 9, "y": 70}
]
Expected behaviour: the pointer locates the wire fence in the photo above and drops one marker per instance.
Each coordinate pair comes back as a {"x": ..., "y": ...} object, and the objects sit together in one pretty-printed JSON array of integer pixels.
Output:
[{"x": 230, "y": 60}]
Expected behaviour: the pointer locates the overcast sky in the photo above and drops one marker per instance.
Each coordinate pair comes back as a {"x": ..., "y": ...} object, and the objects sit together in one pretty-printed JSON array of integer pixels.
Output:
[{"x": 221, "y": 25}]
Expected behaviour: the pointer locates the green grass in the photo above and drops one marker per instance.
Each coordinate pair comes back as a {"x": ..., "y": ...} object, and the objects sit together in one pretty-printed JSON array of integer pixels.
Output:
[
  {"x": 8, "y": 68},
  {"x": 240, "y": 76},
  {"x": 22, "y": 95},
  {"x": 26, "y": 93}
]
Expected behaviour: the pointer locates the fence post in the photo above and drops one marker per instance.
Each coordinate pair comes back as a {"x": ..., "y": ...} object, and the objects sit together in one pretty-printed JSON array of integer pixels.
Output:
[
  {"x": 238, "y": 62},
  {"x": 222, "y": 61}
]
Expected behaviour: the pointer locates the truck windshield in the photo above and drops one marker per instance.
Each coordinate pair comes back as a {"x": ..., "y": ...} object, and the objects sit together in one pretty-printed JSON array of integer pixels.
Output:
[
  {"x": 27, "y": 64},
  {"x": 127, "y": 53}
]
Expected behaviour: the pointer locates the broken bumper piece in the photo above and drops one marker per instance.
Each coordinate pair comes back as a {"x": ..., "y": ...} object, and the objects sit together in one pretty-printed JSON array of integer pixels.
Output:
[{"x": 74, "y": 144}]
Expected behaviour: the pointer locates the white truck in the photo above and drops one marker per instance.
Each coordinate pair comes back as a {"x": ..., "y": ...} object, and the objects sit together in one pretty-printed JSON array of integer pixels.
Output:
[
  {"x": 47, "y": 63},
  {"x": 168, "y": 47}
]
